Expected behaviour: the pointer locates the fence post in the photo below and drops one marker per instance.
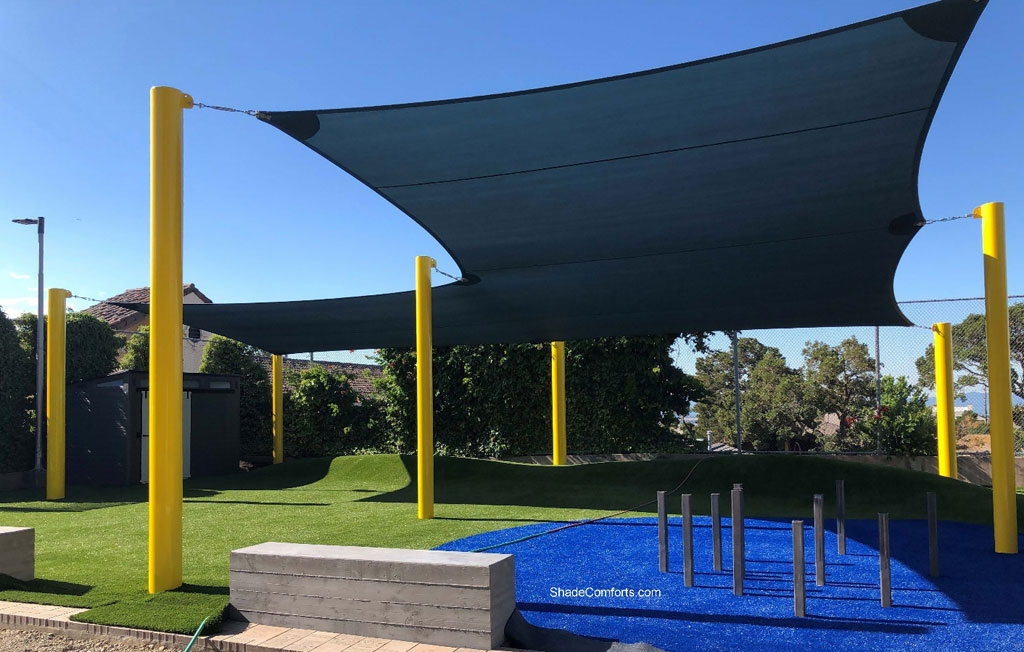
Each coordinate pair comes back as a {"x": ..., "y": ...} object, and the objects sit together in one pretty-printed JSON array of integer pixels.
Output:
[
  {"x": 736, "y": 391},
  {"x": 997, "y": 338},
  {"x": 878, "y": 394},
  {"x": 945, "y": 415},
  {"x": 56, "y": 390},
  {"x": 424, "y": 390}
]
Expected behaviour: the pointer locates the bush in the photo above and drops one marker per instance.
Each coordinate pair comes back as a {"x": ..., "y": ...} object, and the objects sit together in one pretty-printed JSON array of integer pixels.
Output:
[
  {"x": 92, "y": 345},
  {"x": 321, "y": 415},
  {"x": 17, "y": 444},
  {"x": 136, "y": 351},
  {"x": 223, "y": 355},
  {"x": 906, "y": 422}
]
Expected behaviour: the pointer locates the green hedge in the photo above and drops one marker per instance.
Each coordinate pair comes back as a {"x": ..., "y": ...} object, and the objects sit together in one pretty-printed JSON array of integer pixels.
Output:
[
  {"x": 623, "y": 395},
  {"x": 322, "y": 415},
  {"x": 17, "y": 441},
  {"x": 92, "y": 345}
]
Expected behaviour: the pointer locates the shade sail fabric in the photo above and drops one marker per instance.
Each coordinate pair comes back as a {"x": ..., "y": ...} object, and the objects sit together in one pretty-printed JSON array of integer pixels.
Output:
[{"x": 775, "y": 187}]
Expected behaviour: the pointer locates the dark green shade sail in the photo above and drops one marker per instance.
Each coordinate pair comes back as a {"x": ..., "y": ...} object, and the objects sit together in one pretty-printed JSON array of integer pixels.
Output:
[{"x": 771, "y": 188}]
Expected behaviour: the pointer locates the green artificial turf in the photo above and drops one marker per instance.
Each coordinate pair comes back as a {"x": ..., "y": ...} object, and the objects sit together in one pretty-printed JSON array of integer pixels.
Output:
[{"x": 91, "y": 547}]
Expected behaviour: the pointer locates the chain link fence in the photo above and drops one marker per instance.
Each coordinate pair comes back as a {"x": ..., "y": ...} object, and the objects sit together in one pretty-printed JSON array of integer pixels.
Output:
[{"x": 773, "y": 395}]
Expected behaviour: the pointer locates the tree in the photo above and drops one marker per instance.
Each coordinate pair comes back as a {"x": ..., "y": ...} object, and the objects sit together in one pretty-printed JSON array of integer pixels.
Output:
[
  {"x": 716, "y": 412},
  {"x": 906, "y": 422},
  {"x": 623, "y": 395},
  {"x": 777, "y": 413},
  {"x": 320, "y": 412},
  {"x": 17, "y": 445},
  {"x": 223, "y": 355},
  {"x": 773, "y": 411},
  {"x": 970, "y": 354},
  {"x": 840, "y": 381},
  {"x": 969, "y": 423},
  {"x": 136, "y": 351}
]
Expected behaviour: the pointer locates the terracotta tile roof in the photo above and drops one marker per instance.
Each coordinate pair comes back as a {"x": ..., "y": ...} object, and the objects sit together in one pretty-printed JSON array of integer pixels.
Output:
[
  {"x": 360, "y": 376},
  {"x": 115, "y": 315}
]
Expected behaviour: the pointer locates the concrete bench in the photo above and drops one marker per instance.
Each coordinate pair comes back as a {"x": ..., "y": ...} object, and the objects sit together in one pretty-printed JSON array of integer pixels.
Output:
[
  {"x": 457, "y": 599},
  {"x": 18, "y": 552}
]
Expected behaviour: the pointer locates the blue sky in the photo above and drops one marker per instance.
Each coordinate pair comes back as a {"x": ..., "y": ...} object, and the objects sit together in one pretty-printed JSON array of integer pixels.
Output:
[{"x": 266, "y": 219}]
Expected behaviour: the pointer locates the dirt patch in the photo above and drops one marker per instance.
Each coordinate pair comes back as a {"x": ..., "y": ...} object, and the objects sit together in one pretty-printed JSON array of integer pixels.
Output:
[{"x": 17, "y": 640}]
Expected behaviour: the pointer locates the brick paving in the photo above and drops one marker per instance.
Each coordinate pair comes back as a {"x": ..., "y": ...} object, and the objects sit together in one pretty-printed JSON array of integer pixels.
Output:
[{"x": 234, "y": 636}]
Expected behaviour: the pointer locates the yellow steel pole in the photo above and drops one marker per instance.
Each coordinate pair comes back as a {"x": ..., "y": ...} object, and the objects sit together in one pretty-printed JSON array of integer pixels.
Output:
[
  {"x": 56, "y": 389},
  {"x": 997, "y": 336},
  {"x": 165, "y": 471},
  {"x": 558, "y": 403},
  {"x": 277, "y": 376},
  {"x": 424, "y": 390},
  {"x": 945, "y": 421}
]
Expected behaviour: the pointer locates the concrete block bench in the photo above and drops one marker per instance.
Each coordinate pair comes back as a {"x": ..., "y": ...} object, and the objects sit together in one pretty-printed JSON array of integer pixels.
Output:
[
  {"x": 457, "y": 599},
  {"x": 18, "y": 552}
]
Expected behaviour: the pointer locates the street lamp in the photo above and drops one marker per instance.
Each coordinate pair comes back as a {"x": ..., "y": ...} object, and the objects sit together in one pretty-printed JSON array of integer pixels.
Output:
[{"x": 40, "y": 353}]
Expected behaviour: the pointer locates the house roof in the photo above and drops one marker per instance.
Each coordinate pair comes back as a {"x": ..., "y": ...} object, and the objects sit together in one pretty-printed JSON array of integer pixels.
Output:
[
  {"x": 115, "y": 314},
  {"x": 360, "y": 376}
]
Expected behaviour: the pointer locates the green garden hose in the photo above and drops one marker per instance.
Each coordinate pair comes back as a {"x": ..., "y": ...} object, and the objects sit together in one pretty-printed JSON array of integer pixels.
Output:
[{"x": 196, "y": 635}]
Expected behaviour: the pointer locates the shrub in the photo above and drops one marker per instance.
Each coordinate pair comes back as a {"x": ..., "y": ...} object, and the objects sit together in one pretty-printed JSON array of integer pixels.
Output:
[
  {"x": 223, "y": 355},
  {"x": 136, "y": 351},
  {"x": 906, "y": 423},
  {"x": 17, "y": 444},
  {"x": 92, "y": 345},
  {"x": 321, "y": 415}
]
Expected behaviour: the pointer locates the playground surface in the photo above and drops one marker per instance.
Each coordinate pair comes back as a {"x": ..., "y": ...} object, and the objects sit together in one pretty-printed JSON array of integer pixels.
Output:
[
  {"x": 563, "y": 581},
  {"x": 91, "y": 547}
]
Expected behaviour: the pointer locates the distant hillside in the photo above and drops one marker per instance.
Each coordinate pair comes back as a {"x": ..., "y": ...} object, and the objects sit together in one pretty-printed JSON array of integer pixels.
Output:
[{"x": 979, "y": 401}]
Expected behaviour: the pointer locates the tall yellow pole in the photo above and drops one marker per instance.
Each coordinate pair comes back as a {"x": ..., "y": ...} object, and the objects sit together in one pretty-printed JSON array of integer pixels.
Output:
[
  {"x": 165, "y": 471},
  {"x": 558, "y": 403},
  {"x": 56, "y": 390},
  {"x": 997, "y": 336},
  {"x": 424, "y": 390},
  {"x": 277, "y": 378},
  {"x": 945, "y": 421}
]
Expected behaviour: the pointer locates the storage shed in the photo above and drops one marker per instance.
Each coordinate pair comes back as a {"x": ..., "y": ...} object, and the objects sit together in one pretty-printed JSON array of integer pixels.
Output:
[{"x": 107, "y": 437}]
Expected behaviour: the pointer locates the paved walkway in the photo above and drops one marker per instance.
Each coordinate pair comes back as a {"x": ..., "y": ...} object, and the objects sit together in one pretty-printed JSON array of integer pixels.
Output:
[{"x": 234, "y": 636}]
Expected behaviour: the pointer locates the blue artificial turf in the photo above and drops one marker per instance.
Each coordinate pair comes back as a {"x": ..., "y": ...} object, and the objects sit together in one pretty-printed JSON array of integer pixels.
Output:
[{"x": 977, "y": 603}]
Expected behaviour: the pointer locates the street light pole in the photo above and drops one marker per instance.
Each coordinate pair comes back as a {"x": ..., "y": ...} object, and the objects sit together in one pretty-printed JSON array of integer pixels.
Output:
[{"x": 40, "y": 349}]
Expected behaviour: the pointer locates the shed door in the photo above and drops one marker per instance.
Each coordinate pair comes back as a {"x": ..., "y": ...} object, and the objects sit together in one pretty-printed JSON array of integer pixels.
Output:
[{"x": 186, "y": 436}]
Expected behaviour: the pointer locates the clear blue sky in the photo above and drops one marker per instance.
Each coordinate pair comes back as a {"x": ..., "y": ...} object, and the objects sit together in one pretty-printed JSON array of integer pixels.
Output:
[{"x": 266, "y": 219}]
